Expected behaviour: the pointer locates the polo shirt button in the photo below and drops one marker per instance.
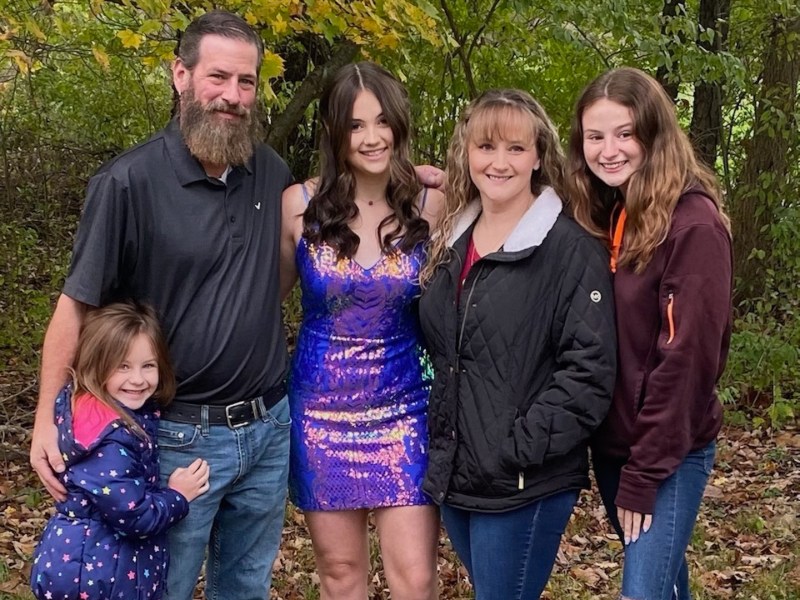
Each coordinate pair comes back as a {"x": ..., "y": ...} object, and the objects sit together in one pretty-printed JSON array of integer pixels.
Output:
[{"x": 233, "y": 219}]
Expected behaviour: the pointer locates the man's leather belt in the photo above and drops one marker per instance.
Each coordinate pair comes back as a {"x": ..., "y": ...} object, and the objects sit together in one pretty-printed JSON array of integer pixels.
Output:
[{"x": 233, "y": 415}]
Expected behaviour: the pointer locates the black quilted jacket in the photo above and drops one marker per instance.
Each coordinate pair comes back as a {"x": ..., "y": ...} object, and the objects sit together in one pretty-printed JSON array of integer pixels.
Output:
[{"x": 523, "y": 366}]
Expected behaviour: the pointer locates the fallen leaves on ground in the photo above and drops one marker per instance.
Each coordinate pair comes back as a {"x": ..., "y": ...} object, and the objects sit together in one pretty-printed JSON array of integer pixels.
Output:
[{"x": 747, "y": 527}]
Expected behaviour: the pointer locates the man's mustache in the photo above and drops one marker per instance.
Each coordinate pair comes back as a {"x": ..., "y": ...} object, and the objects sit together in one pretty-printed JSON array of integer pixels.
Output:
[{"x": 226, "y": 107}]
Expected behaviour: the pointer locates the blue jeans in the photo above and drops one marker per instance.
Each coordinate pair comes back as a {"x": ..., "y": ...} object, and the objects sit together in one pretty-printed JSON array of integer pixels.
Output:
[
  {"x": 240, "y": 518},
  {"x": 655, "y": 565},
  {"x": 509, "y": 555}
]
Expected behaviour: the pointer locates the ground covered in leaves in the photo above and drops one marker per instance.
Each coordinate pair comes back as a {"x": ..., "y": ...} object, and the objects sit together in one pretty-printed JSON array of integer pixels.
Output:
[{"x": 746, "y": 544}]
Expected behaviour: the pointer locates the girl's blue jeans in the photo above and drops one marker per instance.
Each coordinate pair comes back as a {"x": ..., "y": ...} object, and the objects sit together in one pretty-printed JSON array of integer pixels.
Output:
[
  {"x": 655, "y": 565},
  {"x": 509, "y": 555}
]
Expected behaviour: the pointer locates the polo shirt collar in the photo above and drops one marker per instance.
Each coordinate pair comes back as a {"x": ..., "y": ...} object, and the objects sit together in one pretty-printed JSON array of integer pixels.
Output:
[{"x": 187, "y": 168}]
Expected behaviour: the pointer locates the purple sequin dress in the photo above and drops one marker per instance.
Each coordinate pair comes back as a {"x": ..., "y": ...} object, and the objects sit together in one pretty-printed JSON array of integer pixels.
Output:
[{"x": 359, "y": 383}]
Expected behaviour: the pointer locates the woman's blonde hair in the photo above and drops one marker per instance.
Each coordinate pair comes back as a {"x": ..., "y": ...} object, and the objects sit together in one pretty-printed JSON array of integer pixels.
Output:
[
  {"x": 491, "y": 116},
  {"x": 103, "y": 344},
  {"x": 669, "y": 167}
]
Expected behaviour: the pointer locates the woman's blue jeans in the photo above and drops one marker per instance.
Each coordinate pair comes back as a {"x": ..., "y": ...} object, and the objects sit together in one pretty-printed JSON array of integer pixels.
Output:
[
  {"x": 655, "y": 565},
  {"x": 509, "y": 555}
]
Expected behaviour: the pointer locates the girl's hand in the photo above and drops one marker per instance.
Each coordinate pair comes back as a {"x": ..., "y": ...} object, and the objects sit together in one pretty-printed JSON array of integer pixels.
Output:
[
  {"x": 191, "y": 481},
  {"x": 633, "y": 524}
]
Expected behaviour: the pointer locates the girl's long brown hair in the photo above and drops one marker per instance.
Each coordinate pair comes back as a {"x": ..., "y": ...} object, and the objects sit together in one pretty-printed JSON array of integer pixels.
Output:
[
  {"x": 103, "y": 344},
  {"x": 669, "y": 167},
  {"x": 489, "y": 116},
  {"x": 333, "y": 207}
]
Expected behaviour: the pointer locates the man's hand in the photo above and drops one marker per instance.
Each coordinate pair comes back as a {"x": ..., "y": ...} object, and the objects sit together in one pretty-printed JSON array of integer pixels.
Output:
[
  {"x": 45, "y": 457},
  {"x": 58, "y": 352},
  {"x": 430, "y": 176},
  {"x": 633, "y": 524}
]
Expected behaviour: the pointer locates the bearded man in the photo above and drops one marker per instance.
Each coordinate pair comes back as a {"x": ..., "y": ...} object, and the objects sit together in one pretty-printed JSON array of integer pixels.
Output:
[{"x": 189, "y": 222}]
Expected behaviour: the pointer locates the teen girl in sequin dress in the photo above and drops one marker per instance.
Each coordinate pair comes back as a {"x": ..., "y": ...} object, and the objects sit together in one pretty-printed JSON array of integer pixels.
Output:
[{"x": 360, "y": 379}]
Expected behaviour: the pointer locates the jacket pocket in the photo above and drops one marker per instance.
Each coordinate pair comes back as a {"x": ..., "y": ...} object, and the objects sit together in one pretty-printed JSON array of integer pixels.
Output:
[{"x": 670, "y": 317}]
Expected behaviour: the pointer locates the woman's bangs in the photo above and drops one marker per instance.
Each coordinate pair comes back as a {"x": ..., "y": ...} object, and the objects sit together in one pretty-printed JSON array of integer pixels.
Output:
[{"x": 503, "y": 123}]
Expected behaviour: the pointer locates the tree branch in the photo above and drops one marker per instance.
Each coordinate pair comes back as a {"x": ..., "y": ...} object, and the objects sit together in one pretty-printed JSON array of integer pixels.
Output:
[
  {"x": 278, "y": 132},
  {"x": 462, "y": 54}
]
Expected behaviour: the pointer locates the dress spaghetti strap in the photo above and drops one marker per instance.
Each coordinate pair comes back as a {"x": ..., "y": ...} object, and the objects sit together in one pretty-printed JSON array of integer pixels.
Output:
[{"x": 306, "y": 197}]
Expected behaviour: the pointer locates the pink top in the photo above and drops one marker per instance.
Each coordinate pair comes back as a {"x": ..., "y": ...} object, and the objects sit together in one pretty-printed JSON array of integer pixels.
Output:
[{"x": 470, "y": 259}]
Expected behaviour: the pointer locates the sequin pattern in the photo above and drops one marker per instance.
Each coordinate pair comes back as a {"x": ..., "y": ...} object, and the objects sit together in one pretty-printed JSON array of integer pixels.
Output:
[{"x": 359, "y": 383}]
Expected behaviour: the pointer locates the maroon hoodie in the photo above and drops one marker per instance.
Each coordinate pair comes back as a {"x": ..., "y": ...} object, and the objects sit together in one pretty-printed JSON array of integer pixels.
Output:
[{"x": 673, "y": 329}]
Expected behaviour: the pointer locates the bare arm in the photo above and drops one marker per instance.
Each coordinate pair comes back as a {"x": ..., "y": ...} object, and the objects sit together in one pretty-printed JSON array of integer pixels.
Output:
[
  {"x": 58, "y": 352},
  {"x": 434, "y": 204},
  {"x": 292, "y": 209}
]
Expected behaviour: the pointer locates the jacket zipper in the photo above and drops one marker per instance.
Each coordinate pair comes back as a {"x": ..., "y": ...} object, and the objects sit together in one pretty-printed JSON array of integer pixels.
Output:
[
  {"x": 466, "y": 311},
  {"x": 521, "y": 474},
  {"x": 670, "y": 316}
]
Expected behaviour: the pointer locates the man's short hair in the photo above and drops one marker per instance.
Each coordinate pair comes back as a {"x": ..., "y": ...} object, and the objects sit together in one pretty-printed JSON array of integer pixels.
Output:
[{"x": 216, "y": 22}]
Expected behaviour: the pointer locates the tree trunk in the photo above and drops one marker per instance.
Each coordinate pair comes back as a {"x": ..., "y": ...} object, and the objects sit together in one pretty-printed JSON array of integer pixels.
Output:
[
  {"x": 706, "y": 126},
  {"x": 671, "y": 9},
  {"x": 311, "y": 88},
  {"x": 764, "y": 172}
]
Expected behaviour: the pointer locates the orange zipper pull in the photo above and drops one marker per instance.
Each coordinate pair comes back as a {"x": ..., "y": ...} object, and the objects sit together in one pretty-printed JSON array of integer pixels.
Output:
[
  {"x": 616, "y": 238},
  {"x": 670, "y": 318}
]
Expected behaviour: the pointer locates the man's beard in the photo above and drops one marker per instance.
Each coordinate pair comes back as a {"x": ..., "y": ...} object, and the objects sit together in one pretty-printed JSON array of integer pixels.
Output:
[{"x": 216, "y": 141}]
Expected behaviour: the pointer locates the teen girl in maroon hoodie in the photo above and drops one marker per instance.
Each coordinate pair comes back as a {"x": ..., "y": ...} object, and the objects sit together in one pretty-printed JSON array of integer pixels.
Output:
[{"x": 636, "y": 183}]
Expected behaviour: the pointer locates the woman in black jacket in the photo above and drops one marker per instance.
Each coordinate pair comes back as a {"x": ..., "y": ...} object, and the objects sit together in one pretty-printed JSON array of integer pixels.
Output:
[{"x": 519, "y": 319}]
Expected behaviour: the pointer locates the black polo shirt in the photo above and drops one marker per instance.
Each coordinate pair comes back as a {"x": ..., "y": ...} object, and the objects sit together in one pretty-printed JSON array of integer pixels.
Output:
[{"x": 204, "y": 253}]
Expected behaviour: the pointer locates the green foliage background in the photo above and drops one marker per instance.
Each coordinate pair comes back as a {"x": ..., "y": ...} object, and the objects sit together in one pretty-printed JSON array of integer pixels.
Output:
[{"x": 80, "y": 80}]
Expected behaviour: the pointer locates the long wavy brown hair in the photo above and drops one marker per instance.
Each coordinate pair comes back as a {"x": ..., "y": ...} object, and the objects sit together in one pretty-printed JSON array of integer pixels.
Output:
[
  {"x": 492, "y": 116},
  {"x": 669, "y": 167},
  {"x": 333, "y": 207},
  {"x": 103, "y": 344}
]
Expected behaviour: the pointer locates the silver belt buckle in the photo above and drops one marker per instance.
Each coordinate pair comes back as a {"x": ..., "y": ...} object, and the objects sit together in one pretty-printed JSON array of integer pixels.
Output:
[{"x": 228, "y": 414}]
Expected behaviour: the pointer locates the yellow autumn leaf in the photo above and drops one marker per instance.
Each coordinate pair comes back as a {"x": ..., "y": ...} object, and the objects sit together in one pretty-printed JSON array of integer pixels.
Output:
[
  {"x": 33, "y": 28},
  {"x": 271, "y": 66},
  {"x": 390, "y": 40},
  {"x": 268, "y": 93},
  {"x": 279, "y": 26},
  {"x": 101, "y": 57},
  {"x": 130, "y": 39},
  {"x": 21, "y": 59}
]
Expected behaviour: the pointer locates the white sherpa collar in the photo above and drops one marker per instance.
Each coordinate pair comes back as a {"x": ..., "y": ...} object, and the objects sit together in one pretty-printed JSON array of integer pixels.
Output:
[{"x": 532, "y": 228}]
